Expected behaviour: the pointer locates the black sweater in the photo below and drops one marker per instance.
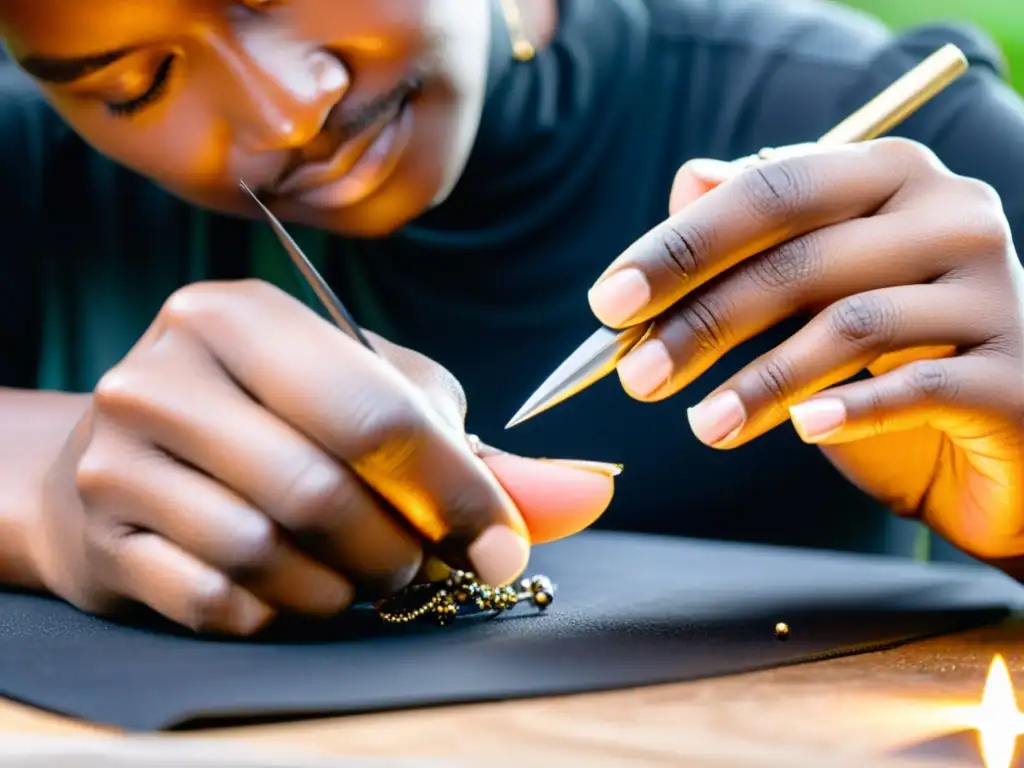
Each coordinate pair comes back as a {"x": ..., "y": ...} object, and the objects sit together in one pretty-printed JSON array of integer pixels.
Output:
[{"x": 575, "y": 160}]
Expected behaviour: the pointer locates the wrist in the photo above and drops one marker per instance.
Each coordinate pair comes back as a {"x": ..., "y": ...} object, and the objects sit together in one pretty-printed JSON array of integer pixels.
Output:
[{"x": 32, "y": 446}]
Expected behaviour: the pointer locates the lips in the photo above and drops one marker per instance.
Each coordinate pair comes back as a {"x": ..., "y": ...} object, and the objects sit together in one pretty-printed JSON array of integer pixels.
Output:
[{"x": 361, "y": 161}]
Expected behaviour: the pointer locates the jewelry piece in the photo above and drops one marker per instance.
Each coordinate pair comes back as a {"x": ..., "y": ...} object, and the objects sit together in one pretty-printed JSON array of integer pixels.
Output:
[
  {"x": 522, "y": 48},
  {"x": 444, "y": 601},
  {"x": 782, "y": 631}
]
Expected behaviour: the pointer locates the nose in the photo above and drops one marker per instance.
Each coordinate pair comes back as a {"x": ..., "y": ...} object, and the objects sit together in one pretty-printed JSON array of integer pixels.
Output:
[{"x": 276, "y": 93}]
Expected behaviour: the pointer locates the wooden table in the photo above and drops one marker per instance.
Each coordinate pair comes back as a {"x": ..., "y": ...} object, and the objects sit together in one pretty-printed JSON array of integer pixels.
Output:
[{"x": 855, "y": 711}]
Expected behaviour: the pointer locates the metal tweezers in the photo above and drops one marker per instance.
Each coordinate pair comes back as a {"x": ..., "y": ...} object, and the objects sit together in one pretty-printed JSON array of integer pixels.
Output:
[{"x": 339, "y": 314}]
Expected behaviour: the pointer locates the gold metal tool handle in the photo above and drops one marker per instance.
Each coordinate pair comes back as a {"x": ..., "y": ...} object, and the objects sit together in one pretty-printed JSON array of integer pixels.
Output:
[{"x": 901, "y": 99}]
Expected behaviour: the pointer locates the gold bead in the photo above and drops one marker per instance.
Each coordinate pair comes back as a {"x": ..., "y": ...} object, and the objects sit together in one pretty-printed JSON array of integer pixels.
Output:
[
  {"x": 782, "y": 631},
  {"x": 523, "y": 50}
]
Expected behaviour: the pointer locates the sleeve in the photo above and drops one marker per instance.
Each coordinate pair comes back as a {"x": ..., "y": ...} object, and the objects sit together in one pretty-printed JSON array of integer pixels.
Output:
[{"x": 976, "y": 127}]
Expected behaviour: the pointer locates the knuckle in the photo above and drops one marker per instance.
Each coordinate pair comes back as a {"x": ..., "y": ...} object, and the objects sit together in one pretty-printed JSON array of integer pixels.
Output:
[
  {"x": 930, "y": 380},
  {"x": 254, "y": 547},
  {"x": 984, "y": 232},
  {"x": 120, "y": 389},
  {"x": 703, "y": 320},
  {"x": 791, "y": 263},
  {"x": 205, "y": 608},
  {"x": 199, "y": 304},
  {"x": 315, "y": 498},
  {"x": 130, "y": 394},
  {"x": 97, "y": 474},
  {"x": 864, "y": 321},
  {"x": 190, "y": 305},
  {"x": 912, "y": 156},
  {"x": 981, "y": 191},
  {"x": 683, "y": 249},
  {"x": 775, "y": 190},
  {"x": 777, "y": 378}
]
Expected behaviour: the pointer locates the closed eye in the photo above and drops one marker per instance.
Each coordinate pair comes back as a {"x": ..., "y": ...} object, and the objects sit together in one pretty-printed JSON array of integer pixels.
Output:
[{"x": 152, "y": 94}]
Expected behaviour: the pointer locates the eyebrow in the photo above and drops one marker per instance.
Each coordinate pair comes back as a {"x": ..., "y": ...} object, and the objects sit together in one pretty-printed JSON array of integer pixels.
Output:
[{"x": 63, "y": 71}]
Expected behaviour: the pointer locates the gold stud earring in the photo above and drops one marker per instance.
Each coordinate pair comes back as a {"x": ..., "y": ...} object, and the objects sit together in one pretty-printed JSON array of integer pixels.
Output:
[{"x": 522, "y": 48}]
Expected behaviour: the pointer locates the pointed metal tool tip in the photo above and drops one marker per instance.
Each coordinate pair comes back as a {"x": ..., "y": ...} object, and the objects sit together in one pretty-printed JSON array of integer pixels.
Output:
[
  {"x": 524, "y": 414},
  {"x": 592, "y": 361}
]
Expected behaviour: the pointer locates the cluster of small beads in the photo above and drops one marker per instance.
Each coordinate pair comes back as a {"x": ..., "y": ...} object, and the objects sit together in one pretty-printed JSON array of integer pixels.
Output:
[
  {"x": 461, "y": 589},
  {"x": 404, "y": 617}
]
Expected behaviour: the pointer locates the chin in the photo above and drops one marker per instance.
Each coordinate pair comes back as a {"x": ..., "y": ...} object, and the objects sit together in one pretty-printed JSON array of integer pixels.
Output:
[
  {"x": 421, "y": 181},
  {"x": 380, "y": 215}
]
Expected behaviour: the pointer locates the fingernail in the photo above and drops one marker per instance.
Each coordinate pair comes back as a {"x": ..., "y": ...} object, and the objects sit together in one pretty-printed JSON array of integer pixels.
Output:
[
  {"x": 620, "y": 296},
  {"x": 499, "y": 555},
  {"x": 250, "y": 613},
  {"x": 644, "y": 370},
  {"x": 598, "y": 467},
  {"x": 335, "y": 595},
  {"x": 716, "y": 171},
  {"x": 717, "y": 418},
  {"x": 817, "y": 419}
]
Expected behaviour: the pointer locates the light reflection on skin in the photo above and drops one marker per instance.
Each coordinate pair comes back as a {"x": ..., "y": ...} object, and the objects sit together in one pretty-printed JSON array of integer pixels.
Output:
[{"x": 249, "y": 92}]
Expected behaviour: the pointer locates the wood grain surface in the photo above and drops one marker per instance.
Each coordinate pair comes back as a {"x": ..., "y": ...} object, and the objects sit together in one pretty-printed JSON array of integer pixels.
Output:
[{"x": 857, "y": 711}]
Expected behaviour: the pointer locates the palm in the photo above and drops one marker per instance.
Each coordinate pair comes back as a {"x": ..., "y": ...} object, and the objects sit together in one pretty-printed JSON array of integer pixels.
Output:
[{"x": 966, "y": 485}]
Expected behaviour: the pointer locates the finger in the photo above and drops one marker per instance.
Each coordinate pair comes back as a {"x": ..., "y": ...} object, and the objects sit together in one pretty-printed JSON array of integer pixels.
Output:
[
  {"x": 699, "y": 176},
  {"x": 160, "y": 575},
  {"x": 363, "y": 411},
  {"x": 557, "y": 498},
  {"x": 962, "y": 396},
  {"x": 759, "y": 208},
  {"x": 974, "y": 400},
  {"x": 695, "y": 179},
  {"x": 800, "y": 275},
  {"x": 147, "y": 490},
  {"x": 323, "y": 505},
  {"x": 837, "y": 344}
]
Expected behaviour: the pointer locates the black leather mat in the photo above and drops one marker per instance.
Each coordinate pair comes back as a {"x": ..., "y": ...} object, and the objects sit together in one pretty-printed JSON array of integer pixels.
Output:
[{"x": 630, "y": 610}]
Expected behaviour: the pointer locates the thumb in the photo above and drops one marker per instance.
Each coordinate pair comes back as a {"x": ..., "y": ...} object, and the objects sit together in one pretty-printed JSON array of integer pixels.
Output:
[
  {"x": 556, "y": 497},
  {"x": 696, "y": 179}
]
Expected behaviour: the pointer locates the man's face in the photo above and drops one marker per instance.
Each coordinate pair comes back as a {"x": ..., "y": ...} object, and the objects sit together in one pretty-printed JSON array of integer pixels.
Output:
[{"x": 348, "y": 115}]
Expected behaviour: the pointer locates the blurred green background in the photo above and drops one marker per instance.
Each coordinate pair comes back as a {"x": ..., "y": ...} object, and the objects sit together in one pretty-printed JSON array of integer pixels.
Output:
[{"x": 1003, "y": 19}]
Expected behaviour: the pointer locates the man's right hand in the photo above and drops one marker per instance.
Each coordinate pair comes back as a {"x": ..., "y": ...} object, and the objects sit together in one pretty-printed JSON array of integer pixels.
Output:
[{"x": 247, "y": 459}]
